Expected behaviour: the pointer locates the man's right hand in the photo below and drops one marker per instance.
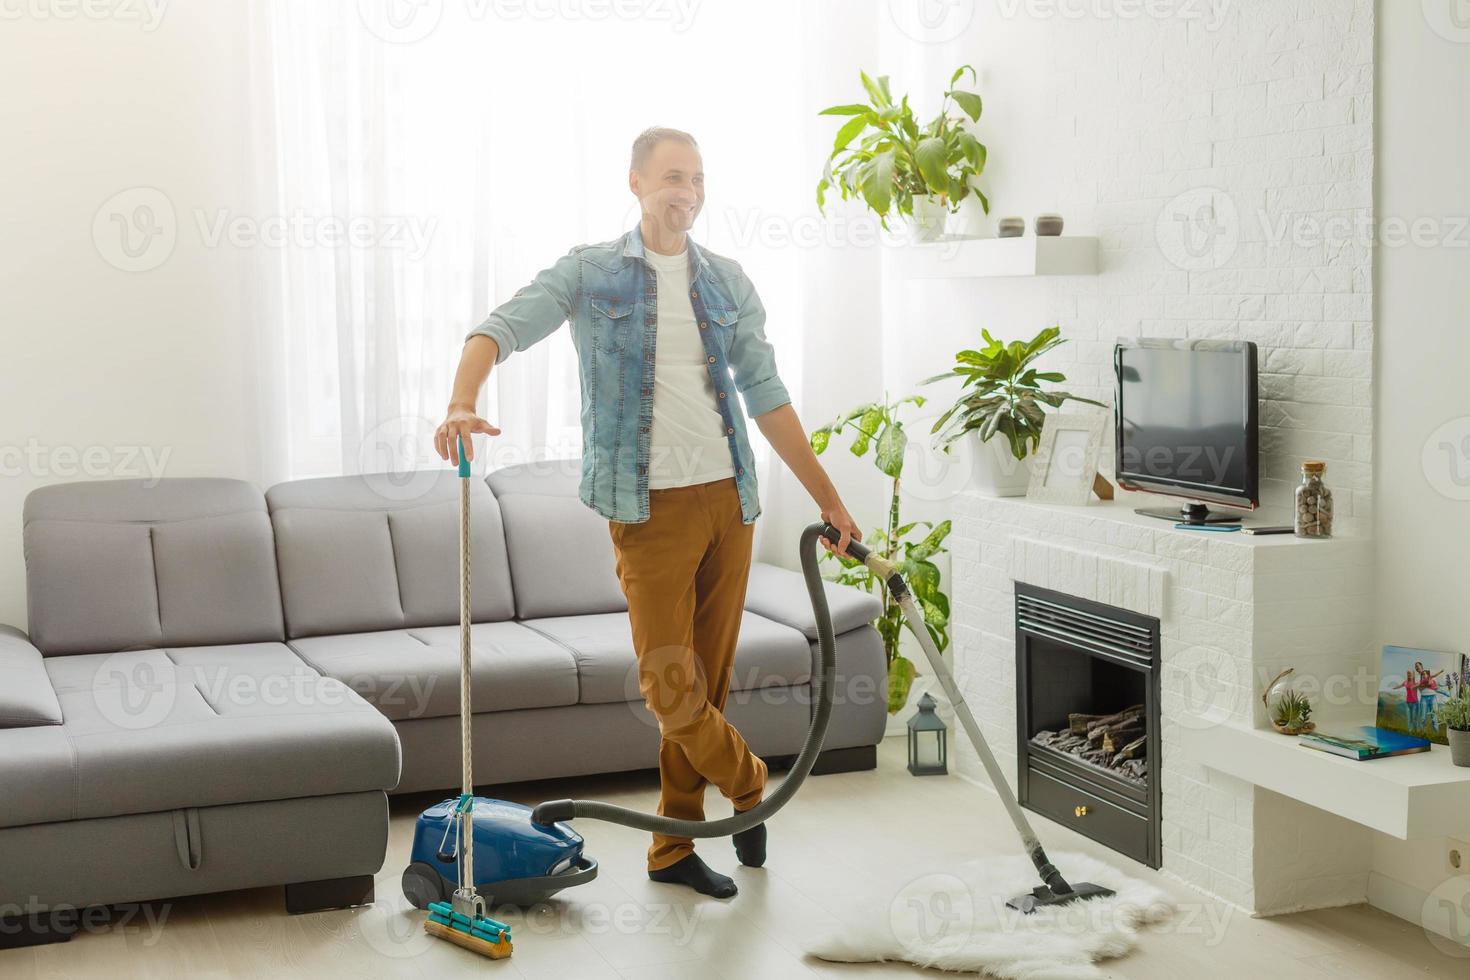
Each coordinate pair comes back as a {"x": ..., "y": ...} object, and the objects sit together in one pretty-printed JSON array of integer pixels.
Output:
[{"x": 460, "y": 423}]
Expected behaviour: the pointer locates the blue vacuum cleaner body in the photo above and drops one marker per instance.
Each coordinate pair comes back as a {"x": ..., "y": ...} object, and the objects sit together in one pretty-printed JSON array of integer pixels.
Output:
[{"x": 517, "y": 862}]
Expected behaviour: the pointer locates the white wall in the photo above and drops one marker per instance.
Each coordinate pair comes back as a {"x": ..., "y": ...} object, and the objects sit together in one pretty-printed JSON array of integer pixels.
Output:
[
  {"x": 100, "y": 365},
  {"x": 1423, "y": 489}
]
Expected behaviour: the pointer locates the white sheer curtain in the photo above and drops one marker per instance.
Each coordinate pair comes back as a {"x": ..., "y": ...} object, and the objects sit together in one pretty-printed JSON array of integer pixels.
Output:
[{"x": 461, "y": 159}]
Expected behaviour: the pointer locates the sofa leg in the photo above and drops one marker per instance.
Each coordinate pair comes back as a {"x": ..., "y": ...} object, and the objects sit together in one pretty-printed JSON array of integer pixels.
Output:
[
  {"x": 330, "y": 893},
  {"x": 37, "y": 929},
  {"x": 856, "y": 759}
]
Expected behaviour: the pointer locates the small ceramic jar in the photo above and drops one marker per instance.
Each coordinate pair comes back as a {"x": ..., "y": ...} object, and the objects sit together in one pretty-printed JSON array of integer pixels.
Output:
[
  {"x": 1012, "y": 227},
  {"x": 1048, "y": 225}
]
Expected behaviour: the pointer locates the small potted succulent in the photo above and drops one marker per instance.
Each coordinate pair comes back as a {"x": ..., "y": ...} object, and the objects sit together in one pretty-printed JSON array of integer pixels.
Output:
[
  {"x": 1454, "y": 715},
  {"x": 1288, "y": 707},
  {"x": 1002, "y": 395}
]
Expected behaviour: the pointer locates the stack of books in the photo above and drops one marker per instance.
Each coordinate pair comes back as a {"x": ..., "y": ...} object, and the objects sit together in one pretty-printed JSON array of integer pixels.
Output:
[{"x": 1365, "y": 743}]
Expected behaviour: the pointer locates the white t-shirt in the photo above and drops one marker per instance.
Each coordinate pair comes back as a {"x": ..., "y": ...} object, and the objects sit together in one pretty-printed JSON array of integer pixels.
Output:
[{"x": 688, "y": 444}]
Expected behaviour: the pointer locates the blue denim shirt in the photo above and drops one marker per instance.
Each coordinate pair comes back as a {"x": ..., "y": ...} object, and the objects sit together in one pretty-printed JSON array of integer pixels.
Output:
[{"x": 609, "y": 293}]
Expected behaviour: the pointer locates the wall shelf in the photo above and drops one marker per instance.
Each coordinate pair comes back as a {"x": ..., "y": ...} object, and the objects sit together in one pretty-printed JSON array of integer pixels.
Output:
[
  {"x": 974, "y": 258},
  {"x": 1410, "y": 797}
]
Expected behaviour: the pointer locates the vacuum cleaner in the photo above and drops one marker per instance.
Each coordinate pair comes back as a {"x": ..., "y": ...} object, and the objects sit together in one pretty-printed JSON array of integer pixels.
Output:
[{"x": 470, "y": 851}]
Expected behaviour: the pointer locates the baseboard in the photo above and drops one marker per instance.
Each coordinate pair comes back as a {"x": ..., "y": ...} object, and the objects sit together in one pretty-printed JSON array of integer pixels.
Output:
[{"x": 1417, "y": 907}]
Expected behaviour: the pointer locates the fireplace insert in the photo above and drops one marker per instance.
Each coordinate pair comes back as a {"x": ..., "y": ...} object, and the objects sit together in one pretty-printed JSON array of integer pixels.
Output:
[{"x": 1087, "y": 717}]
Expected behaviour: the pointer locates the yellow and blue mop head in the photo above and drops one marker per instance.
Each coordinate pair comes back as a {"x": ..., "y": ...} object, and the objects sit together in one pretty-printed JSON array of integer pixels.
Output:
[{"x": 477, "y": 933}]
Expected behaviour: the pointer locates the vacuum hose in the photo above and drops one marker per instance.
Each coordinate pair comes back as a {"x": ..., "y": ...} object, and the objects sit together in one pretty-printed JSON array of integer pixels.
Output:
[{"x": 555, "y": 810}]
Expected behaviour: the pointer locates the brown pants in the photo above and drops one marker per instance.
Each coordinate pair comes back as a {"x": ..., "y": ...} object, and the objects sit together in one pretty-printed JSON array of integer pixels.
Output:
[{"x": 684, "y": 572}]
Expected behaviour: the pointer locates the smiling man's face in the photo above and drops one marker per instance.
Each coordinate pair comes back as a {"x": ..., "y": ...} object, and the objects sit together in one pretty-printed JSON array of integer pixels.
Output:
[{"x": 670, "y": 185}]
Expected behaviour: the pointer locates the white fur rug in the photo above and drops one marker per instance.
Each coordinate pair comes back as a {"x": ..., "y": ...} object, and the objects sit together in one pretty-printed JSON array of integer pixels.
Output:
[{"x": 958, "y": 921}]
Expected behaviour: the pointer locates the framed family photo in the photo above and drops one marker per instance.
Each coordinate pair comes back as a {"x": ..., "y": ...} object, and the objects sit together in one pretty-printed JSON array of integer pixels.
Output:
[{"x": 1411, "y": 683}]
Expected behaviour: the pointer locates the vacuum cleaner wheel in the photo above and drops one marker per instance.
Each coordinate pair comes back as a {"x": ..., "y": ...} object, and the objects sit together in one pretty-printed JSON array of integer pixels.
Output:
[{"x": 422, "y": 885}]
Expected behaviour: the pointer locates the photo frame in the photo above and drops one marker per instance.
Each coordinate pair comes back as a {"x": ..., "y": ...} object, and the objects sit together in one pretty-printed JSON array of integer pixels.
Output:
[
  {"x": 1411, "y": 683},
  {"x": 1065, "y": 466}
]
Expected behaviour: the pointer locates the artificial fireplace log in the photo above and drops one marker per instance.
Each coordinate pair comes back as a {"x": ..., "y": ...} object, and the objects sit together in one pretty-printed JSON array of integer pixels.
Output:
[
  {"x": 1118, "y": 738},
  {"x": 1082, "y": 724},
  {"x": 1134, "y": 749}
]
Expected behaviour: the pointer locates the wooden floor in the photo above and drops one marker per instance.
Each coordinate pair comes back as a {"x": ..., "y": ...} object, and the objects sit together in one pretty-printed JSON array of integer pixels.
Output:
[{"x": 844, "y": 835}]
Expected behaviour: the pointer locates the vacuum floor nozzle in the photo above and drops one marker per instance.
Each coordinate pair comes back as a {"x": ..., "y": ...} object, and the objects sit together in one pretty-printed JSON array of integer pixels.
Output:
[{"x": 1041, "y": 896}]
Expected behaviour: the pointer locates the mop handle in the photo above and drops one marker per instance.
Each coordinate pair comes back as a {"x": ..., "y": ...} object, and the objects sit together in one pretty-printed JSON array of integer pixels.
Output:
[{"x": 467, "y": 772}]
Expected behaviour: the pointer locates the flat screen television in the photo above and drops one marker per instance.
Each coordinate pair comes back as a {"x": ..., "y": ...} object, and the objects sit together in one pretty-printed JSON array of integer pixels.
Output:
[{"x": 1187, "y": 424}]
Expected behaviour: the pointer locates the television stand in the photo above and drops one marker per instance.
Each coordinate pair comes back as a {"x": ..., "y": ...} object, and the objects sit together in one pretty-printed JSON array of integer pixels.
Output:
[{"x": 1189, "y": 514}]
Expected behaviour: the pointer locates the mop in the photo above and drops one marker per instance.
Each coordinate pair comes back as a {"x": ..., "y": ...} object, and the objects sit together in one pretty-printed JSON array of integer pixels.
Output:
[{"x": 462, "y": 919}]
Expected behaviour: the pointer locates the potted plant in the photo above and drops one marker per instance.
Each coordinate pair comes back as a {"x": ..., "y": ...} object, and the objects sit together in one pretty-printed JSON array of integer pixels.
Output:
[
  {"x": 1287, "y": 706},
  {"x": 882, "y": 155},
  {"x": 1002, "y": 394},
  {"x": 1454, "y": 715},
  {"x": 911, "y": 546}
]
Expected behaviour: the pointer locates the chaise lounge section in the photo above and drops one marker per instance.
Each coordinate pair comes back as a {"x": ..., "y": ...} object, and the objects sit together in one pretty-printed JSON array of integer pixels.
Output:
[{"x": 159, "y": 738}]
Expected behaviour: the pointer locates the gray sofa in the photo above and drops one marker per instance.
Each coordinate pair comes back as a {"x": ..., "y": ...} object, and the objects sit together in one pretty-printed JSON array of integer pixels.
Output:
[{"x": 221, "y": 687}]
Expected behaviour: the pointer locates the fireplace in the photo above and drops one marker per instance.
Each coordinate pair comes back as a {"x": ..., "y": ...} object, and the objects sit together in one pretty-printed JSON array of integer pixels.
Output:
[{"x": 1087, "y": 715}]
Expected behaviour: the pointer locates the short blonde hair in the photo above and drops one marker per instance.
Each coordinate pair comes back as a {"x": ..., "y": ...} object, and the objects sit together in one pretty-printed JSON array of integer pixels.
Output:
[{"x": 653, "y": 136}]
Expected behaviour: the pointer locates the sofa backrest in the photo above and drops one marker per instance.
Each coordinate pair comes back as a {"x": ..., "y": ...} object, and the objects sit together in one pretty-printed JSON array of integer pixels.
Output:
[
  {"x": 359, "y": 553},
  {"x": 127, "y": 564},
  {"x": 561, "y": 555}
]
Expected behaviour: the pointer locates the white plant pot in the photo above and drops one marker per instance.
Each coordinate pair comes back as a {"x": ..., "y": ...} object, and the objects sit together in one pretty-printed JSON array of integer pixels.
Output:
[
  {"x": 928, "y": 219},
  {"x": 998, "y": 473}
]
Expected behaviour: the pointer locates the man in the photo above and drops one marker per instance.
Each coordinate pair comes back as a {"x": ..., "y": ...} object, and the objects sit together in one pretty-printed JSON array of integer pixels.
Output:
[{"x": 667, "y": 333}]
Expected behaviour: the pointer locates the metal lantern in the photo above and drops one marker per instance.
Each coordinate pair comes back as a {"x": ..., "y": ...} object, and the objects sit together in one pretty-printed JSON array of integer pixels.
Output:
[{"x": 928, "y": 735}]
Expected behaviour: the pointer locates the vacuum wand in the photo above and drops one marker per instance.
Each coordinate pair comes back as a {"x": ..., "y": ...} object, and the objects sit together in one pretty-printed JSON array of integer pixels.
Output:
[{"x": 1056, "y": 890}]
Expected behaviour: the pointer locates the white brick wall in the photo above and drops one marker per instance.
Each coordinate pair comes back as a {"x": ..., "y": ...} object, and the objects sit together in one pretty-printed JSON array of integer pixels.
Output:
[
  {"x": 1275, "y": 109},
  {"x": 1233, "y": 611}
]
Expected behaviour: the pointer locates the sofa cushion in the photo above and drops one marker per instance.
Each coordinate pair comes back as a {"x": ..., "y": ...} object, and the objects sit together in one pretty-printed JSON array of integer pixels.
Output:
[
  {"x": 547, "y": 478},
  {"x": 364, "y": 553},
  {"x": 171, "y": 728},
  {"x": 123, "y": 564},
  {"x": 414, "y": 673},
  {"x": 561, "y": 557},
  {"x": 780, "y": 594},
  {"x": 767, "y": 655},
  {"x": 26, "y": 697}
]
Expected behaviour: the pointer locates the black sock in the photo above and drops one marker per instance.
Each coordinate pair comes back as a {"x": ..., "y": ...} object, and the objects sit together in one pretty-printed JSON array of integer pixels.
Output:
[
  {"x": 696, "y": 874},
  {"x": 750, "y": 845}
]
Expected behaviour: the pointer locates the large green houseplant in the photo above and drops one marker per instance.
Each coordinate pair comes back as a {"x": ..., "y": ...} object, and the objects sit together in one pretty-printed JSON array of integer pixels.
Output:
[
  {"x": 885, "y": 157},
  {"x": 911, "y": 546},
  {"x": 1002, "y": 393}
]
